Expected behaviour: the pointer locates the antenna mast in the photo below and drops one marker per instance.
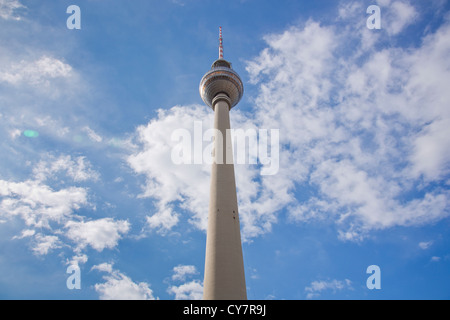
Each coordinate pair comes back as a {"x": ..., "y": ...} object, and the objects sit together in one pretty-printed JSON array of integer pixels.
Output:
[{"x": 220, "y": 44}]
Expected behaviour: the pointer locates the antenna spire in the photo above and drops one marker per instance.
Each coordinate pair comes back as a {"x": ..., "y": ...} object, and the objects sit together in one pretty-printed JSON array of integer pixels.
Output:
[{"x": 220, "y": 44}]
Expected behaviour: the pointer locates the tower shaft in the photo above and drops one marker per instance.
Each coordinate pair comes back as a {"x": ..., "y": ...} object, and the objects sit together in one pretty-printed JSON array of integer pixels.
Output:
[{"x": 224, "y": 264}]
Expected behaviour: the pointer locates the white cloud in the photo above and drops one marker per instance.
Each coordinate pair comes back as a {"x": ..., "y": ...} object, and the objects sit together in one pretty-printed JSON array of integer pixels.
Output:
[
  {"x": 77, "y": 259},
  {"x": 51, "y": 216},
  {"x": 317, "y": 287},
  {"x": 368, "y": 138},
  {"x": 92, "y": 134},
  {"x": 8, "y": 8},
  {"x": 397, "y": 15},
  {"x": 435, "y": 259},
  {"x": 37, "y": 204},
  {"x": 166, "y": 181},
  {"x": 43, "y": 244},
  {"x": 14, "y": 133},
  {"x": 431, "y": 150},
  {"x": 41, "y": 207},
  {"x": 182, "y": 271},
  {"x": 163, "y": 220},
  {"x": 185, "y": 187},
  {"x": 425, "y": 245},
  {"x": 78, "y": 169},
  {"x": 99, "y": 234},
  {"x": 37, "y": 73},
  {"x": 350, "y": 9},
  {"x": 104, "y": 267},
  {"x": 192, "y": 290},
  {"x": 118, "y": 286},
  {"x": 25, "y": 234},
  {"x": 363, "y": 128}
]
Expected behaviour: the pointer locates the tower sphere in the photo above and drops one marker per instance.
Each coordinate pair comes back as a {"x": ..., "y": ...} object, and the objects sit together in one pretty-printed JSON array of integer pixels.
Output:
[{"x": 221, "y": 79}]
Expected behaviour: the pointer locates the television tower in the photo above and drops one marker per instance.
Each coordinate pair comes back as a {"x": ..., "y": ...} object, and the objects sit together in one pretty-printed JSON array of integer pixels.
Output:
[{"x": 221, "y": 89}]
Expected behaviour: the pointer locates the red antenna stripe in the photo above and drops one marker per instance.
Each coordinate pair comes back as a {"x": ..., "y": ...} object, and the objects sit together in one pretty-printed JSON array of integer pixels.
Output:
[{"x": 220, "y": 44}]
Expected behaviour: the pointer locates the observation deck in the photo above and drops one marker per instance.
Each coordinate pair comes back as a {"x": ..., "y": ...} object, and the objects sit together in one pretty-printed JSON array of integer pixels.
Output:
[{"x": 221, "y": 79}]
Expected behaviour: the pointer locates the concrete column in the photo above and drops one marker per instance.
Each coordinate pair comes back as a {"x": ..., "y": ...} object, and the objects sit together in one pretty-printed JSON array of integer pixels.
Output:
[{"x": 224, "y": 264}]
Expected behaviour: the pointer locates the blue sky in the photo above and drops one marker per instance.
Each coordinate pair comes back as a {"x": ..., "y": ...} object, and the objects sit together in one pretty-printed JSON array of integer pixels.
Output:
[{"x": 87, "y": 115}]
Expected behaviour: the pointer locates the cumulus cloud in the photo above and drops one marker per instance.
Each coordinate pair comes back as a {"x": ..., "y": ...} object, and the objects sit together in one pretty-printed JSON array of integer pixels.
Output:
[
  {"x": 363, "y": 126},
  {"x": 397, "y": 15},
  {"x": 8, "y": 9},
  {"x": 77, "y": 259},
  {"x": 168, "y": 182},
  {"x": 118, "y": 286},
  {"x": 180, "y": 272},
  {"x": 43, "y": 244},
  {"x": 25, "y": 233},
  {"x": 425, "y": 244},
  {"x": 191, "y": 290},
  {"x": 99, "y": 234},
  {"x": 364, "y": 140},
  {"x": 318, "y": 287},
  {"x": 37, "y": 73},
  {"x": 38, "y": 204},
  {"x": 52, "y": 216},
  {"x": 79, "y": 169},
  {"x": 430, "y": 151},
  {"x": 180, "y": 188}
]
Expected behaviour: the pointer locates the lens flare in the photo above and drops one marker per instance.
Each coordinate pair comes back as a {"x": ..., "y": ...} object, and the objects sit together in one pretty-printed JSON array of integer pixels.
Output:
[
  {"x": 78, "y": 138},
  {"x": 31, "y": 134}
]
